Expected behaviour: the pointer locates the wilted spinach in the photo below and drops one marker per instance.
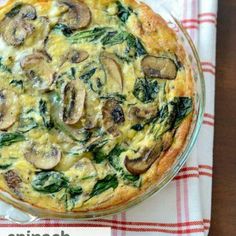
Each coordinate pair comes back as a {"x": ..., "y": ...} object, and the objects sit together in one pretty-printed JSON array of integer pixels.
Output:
[
  {"x": 4, "y": 67},
  {"x": 110, "y": 37},
  {"x": 17, "y": 83},
  {"x": 123, "y": 12},
  {"x": 184, "y": 106},
  {"x": 49, "y": 182},
  {"x": 4, "y": 166},
  {"x": 171, "y": 115},
  {"x": 145, "y": 90},
  {"x": 88, "y": 75},
  {"x": 6, "y": 139},
  {"x": 64, "y": 29},
  {"x": 114, "y": 160},
  {"x": 114, "y": 37},
  {"x": 27, "y": 124},
  {"x": 44, "y": 112},
  {"x": 110, "y": 181},
  {"x": 14, "y": 11},
  {"x": 71, "y": 196},
  {"x": 118, "y": 97},
  {"x": 91, "y": 35},
  {"x": 134, "y": 43}
]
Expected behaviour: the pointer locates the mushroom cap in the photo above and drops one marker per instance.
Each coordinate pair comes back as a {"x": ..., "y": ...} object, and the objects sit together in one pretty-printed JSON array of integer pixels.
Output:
[
  {"x": 74, "y": 95},
  {"x": 44, "y": 157},
  {"x": 8, "y": 109},
  {"x": 77, "y": 16},
  {"x": 159, "y": 67}
]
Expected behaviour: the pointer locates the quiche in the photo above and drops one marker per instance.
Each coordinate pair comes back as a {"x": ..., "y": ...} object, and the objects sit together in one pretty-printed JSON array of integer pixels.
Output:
[{"x": 96, "y": 102}]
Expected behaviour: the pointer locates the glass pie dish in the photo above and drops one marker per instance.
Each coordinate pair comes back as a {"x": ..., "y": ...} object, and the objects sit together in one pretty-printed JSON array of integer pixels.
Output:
[{"x": 31, "y": 213}]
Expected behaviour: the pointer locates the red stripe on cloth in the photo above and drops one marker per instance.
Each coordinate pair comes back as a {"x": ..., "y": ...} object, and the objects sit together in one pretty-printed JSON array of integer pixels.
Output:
[
  {"x": 207, "y": 14},
  {"x": 196, "y": 21},
  {"x": 206, "y": 63},
  {"x": 206, "y": 70},
  {"x": 184, "y": 169},
  {"x": 206, "y": 167},
  {"x": 207, "y": 115},
  {"x": 141, "y": 223},
  {"x": 197, "y": 175},
  {"x": 191, "y": 27},
  {"x": 179, "y": 231},
  {"x": 130, "y": 223},
  {"x": 208, "y": 123},
  {"x": 205, "y": 173}
]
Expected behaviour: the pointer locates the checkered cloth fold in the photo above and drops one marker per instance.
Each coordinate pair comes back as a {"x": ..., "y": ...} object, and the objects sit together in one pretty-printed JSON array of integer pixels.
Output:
[{"x": 184, "y": 206}]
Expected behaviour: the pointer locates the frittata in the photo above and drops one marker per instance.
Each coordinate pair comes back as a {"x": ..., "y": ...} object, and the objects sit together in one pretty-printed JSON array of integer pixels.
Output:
[{"x": 96, "y": 102}]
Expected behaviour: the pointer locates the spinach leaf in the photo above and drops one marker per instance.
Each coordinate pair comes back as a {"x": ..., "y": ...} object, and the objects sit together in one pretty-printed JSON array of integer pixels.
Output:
[
  {"x": 4, "y": 166},
  {"x": 184, "y": 106},
  {"x": 14, "y": 11},
  {"x": 75, "y": 191},
  {"x": 17, "y": 83},
  {"x": 118, "y": 97},
  {"x": 44, "y": 112},
  {"x": 145, "y": 90},
  {"x": 113, "y": 38},
  {"x": 114, "y": 160},
  {"x": 93, "y": 147},
  {"x": 114, "y": 157},
  {"x": 88, "y": 35},
  {"x": 27, "y": 124},
  {"x": 138, "y": 127},
  {"x": 123, "y": 12},
  {"x": 4, "y": 67},
  {"x": 135, "y": 43},
  {"x": 71, "y": 196},
  {"x": 88, "y": 75},
  {"x": 64, "y": 29},
  {"x": 49, "y": 182},
  {"x": 99, "y": 156},
  {"x": 171, "y": 115},
  {"x": 110, "y": 181},
  {"x": 6, "y": 139}
]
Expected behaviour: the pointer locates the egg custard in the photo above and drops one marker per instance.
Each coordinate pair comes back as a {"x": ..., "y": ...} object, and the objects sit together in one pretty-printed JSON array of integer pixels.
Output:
[{"x": 96, "y": 102}]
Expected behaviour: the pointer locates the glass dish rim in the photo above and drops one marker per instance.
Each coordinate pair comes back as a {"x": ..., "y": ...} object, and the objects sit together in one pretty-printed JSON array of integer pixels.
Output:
[{"x": 35, "y": 213}]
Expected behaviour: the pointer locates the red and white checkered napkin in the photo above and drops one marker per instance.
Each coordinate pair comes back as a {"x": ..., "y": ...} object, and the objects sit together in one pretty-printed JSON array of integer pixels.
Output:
[{"x": 184, "y": 206}]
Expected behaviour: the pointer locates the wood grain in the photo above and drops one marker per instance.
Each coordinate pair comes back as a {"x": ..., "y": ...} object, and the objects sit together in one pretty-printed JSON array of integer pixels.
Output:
[{"x": 224, "y": 180}]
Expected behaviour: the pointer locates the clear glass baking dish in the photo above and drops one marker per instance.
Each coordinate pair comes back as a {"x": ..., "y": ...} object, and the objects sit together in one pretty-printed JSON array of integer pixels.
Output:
[{"x": 21, "y": 212}]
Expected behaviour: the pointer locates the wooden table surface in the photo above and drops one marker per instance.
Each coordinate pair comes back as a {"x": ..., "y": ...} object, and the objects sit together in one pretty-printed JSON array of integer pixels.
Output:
[{"x": 224, "y": 177}]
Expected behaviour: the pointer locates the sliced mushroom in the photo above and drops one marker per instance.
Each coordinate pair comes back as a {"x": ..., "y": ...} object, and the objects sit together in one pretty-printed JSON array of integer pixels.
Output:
[
  {"x": 136, "y": 113},
  {"x": 113, "y": 115},
  {"x": 38, "y": 69},
  {"x": 28, "y": 12},
  {"x": 73, "y": 102},
  {"x": 148, "y": 157},
  {"x": 16, "y": 26},
  {"x": 8, "y": 109},
  {"x": 113, "y": 73},
  {"x": 159, "y": 67},
  {"x": 77, "y": 16},
  {"x": 44, "y": 157},
  {"x": 77, "y": 56},
  {"x": 13, "y": 181},
  {"x": 85, "y": 169},
  {"x": 14, "y": 32}
]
